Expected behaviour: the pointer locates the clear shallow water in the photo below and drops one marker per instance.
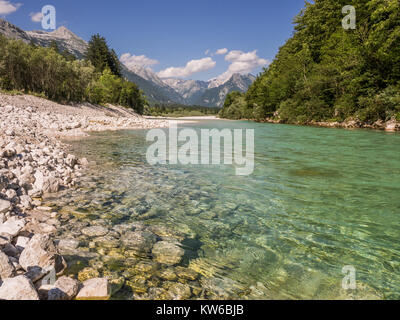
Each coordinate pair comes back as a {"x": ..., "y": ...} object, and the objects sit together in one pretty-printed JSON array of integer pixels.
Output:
[{"x": 318, "y": 200}]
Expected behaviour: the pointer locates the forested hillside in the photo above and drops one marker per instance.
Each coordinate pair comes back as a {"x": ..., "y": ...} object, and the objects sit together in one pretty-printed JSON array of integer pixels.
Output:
[
  {"x": 327, "y": 73},
  {"x": 57, "y": 75}
]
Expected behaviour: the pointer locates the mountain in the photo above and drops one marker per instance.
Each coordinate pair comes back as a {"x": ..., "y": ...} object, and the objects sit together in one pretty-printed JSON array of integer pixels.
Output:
[
  {"x": 13, "y": 32},
  {"x": 156, "y": 90},
  {"x": 215, "y": 95},
  {"x": 211, "y": 93},
  {"x": 165, "y": 93},
  {"x": 65, "y": 39},
  {"x": 153, "y": 92},
  {"x": 190, "y": 90}
]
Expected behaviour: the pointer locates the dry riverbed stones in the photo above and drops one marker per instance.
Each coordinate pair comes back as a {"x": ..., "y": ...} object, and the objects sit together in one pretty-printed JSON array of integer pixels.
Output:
[{"x": 32, "y": 165}]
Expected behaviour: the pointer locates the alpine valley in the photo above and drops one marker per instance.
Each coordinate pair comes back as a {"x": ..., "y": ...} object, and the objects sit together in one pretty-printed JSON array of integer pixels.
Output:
[{"x": 162, "y": 91}]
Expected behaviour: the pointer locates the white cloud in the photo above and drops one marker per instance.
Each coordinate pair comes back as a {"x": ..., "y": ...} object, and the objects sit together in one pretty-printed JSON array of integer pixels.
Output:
[
  {"x": 132, "y": 60},
  {"x": 242, "y": 62},
  {"x": 36, "y": 16},
  {"x": 7, "y": 7},
  {"x": 222, "y": 51},
  {"x": 207, "y": 52},
  {"x": 191, "y": 67}
]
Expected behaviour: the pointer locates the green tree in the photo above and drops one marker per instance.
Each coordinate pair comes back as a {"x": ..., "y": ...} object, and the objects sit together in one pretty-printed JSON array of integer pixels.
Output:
[{"x": 101, "y": 57}]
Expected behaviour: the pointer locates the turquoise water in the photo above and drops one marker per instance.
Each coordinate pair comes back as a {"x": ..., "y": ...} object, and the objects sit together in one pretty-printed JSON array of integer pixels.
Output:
[{"x": 319, "y": 199}]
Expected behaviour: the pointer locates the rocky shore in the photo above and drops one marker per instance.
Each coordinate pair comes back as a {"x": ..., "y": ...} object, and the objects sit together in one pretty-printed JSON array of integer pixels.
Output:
[
  {"x": 390, "y": 126},
  {"x": 34, "y": 163}
]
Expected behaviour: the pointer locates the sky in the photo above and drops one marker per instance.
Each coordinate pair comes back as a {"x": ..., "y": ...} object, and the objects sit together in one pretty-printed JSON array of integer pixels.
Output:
[{"x": 187, "y": 39}]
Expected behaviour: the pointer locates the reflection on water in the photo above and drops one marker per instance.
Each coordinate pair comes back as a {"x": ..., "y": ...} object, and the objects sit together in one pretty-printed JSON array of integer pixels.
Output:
[{"x": 319, "y": 200}]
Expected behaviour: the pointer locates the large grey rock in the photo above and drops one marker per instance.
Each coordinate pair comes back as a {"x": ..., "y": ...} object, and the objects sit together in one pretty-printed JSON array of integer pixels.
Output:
[
  {"x": 64, "y": 289},
  {"x": 7, "y": 269},
  {"x": 95, "y": 231},
  {"x": 12, "y": 226},
  {"x": 140, "y": 241},
  {"x": 41, "y": 252},
  {"x": 5, "y": 206},
  {"x": 94, "y": 289},
  {"x": 68, "y": 244},
  {"x": 167, "y": 253},
  {"x": 18, "y": 288}
]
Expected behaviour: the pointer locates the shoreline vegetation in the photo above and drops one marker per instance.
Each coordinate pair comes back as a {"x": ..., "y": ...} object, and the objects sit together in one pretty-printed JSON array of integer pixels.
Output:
[{"x": 326, "y": 75}]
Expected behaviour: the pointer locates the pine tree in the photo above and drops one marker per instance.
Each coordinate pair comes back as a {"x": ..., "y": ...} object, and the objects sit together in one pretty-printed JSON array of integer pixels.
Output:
[{"x": 101, "y": 57}]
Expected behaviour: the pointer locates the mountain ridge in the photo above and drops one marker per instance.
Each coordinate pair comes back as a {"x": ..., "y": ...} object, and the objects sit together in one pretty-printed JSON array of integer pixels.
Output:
[{"x": 165, "y": 91}]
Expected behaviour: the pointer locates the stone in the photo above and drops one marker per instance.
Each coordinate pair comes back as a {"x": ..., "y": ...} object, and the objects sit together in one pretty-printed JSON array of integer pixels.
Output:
[
  {"x": 7, "y": 269},
  {"x": 12, "y": 226},
  {"x": 45, "y": 184},
  {"x": 106, "y": 242},
  {"x": 36, "y": 273},
  {"x": 391, "y": 126},
  {"x": 68, "y": 244},
  {"x": 95, "y": 289},
  {"x": 88, "y": 273},
  {"x": 5, "y": 239},
  {"x": 139, "y": 241},
  {"x": 22, "y": 242},
  {"x": 186, "y": 273},
  {"x": 43, "y": 291},
  {"x": 179, "y": 291},
  {"x": 26, "y": 201},
  {"x": 18, "y": 288},
  {"x": 168, "y": 274},
  {"x": 84, "y": 162},
  {"x": 95, "y": 231},
  {"x": 65, "y": 288},
  {"x": 5, "y": 206},
  {"x": 71, "y": 160},
  {"x": 10, "y": 250},
  {"x": 41, "y": 252},
  {"x": 167, "y": 253}
]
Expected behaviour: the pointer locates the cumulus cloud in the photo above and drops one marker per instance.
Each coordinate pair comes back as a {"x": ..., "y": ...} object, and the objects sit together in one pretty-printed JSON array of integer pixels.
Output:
[
  {"x": 191, "y": 67},
  {"x": 132, "y": 60},
  {"x": 7, "y": 7},
  {"x": 222, "y": 51},
  {"x": 36, "y": 16},
  {"x": 242, "y": 62}
]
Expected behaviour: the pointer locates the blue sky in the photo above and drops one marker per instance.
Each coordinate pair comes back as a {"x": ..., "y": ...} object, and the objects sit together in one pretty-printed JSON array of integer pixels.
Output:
[{"x": 167, "y": 35}]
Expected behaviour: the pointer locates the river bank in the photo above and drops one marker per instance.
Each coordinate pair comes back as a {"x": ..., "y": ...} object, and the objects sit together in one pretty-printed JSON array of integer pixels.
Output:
[
  {"x": 34, "y": 163},
  {"x": 389, "y": 126}
]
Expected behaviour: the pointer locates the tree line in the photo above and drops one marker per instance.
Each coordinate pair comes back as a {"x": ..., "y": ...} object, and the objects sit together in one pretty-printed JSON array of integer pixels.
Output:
[
  {"x": 327, "y": 73},
  {"x": 60, "y": 77},
  {"x": 179, "y": 110}
]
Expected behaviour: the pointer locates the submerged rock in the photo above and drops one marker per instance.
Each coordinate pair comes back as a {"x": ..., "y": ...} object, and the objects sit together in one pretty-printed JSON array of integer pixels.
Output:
[
  {"x": 95, "y": 231},
  {"x": 167, "y": 253},
  {"x": 179, "y": 291},
  {"x": 139, "y": 241}
]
